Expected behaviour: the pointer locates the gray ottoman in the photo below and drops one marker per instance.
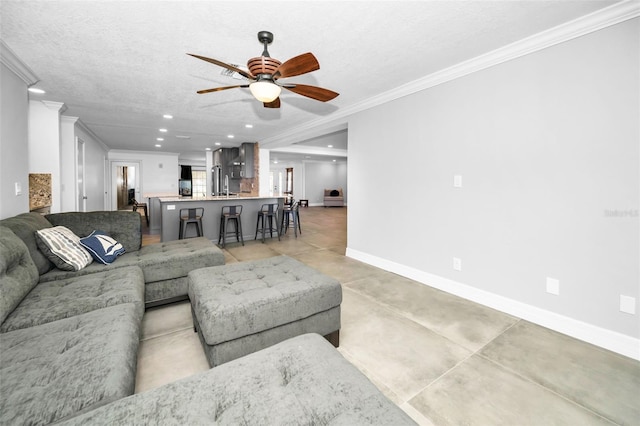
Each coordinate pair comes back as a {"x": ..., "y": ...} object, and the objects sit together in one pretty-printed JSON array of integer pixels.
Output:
[
  {"x": 303, "y": 381},
  {"x": 244, "y": 307}
]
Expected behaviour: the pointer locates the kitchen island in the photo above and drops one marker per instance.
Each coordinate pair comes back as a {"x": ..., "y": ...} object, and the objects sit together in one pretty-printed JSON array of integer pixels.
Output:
[{"x": 170, "y": 214}]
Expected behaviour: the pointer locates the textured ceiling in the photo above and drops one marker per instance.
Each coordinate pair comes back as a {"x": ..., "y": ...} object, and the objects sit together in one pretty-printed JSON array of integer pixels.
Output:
[{"x": 121, "y": 65}]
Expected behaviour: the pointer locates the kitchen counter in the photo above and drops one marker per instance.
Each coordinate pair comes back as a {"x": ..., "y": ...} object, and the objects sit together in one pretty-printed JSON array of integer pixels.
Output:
[{"x": 170, "y": 214}]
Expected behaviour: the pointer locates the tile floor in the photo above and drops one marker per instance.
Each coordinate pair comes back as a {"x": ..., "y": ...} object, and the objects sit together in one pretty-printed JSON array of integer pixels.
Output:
[{"x": 443, "y": 359}]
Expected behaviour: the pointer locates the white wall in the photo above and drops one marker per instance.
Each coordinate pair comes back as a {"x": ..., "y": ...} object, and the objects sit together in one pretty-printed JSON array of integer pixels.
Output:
[
  {"x": 94, "y": 176},
  {"x": 44, "y": 145},
  {"x": 320, "y": 176},
  {"x": 548, "y": 149},
  {"x": 159, "y": 171},
  {"x": 14, "y": 156}
]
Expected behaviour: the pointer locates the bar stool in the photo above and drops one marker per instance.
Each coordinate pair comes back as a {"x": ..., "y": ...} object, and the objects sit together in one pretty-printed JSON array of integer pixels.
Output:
[
  {"x": 188, "y": 216},
  {"x": 267, "y": 220},
  {"x": 230, "y": 213},
  {"x": 291, "y": 214},
  {"x": 143, "y": 206}
]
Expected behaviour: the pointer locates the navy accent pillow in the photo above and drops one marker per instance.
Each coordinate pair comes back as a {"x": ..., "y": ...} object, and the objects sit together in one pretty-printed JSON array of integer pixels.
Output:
[
  {"x": 334, "y": 193},
  {"x": 102, "y": 247}
]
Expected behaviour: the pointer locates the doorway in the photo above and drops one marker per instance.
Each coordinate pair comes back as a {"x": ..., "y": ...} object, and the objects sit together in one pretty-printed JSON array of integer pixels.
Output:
[
  {"x": 81, "y": 192},
  {"x": 125, "y": 187},
  {"x": 289, "y": 185}
]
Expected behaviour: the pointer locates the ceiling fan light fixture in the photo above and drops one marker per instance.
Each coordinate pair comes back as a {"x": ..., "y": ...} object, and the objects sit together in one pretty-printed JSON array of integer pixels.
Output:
[{"x": 265, "y": 91}]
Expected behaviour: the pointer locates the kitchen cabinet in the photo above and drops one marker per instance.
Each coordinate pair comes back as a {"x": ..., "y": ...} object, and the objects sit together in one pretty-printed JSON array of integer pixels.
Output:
[
  {"x": 236, "y": 163},
  {"x": 246, "y": 160}
]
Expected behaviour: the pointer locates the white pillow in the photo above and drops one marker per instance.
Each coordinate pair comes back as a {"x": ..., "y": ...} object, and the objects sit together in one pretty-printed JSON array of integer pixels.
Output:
[{"x": 62, "y": 247}]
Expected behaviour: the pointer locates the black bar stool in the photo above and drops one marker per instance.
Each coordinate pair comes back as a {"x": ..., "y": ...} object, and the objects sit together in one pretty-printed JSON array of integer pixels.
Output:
[
  {"x": 267, "y": 220},
  {"x": 230, "y": 213},
  {"x": 188, "y": 216},
  {"x": 291, "y": 215},
  {"x": 142, "y": 206}
]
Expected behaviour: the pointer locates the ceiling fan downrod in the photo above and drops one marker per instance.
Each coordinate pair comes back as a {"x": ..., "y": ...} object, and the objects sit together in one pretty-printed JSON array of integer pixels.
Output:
[{"x": 266, "y": 38}]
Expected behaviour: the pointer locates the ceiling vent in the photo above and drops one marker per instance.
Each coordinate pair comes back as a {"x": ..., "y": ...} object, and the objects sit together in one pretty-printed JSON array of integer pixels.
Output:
[{"x": 229, "y": 73}]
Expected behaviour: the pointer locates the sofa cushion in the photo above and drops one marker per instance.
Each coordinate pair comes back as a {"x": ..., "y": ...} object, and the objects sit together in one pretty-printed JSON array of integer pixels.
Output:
[
  {"x": 25, "y": 226},
  {"x": 159, "y": 262},
  {"x": 123, "y": 226},
  {"x": 62, "y": 247},
  {"x": 57, "y": 370},
  {"x": 18, "y": 273},
  {"x": 54, "y": 300},
  {"x": 102, "y": 247},
  {"x": 302, "y": 381}
]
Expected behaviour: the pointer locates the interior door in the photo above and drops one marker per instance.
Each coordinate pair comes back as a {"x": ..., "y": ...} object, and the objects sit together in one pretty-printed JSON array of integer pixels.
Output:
[
  {"x": 125, "y": 179},
  {"x": 81, "y": 192},
  {"x": 289, "y": 185}
]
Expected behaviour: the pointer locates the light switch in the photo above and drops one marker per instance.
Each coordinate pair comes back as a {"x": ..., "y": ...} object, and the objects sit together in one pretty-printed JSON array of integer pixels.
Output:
[
  {"x": 457, "y": 181},
  {"x": 18, "y": 187}
]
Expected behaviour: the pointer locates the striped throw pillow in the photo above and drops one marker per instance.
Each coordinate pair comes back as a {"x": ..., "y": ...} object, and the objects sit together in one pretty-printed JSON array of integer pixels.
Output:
[{"x": 62, "y": 247}]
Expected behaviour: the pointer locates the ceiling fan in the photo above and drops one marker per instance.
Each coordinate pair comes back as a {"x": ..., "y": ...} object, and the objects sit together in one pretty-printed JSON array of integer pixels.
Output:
[{"x": 265, "y": 71}]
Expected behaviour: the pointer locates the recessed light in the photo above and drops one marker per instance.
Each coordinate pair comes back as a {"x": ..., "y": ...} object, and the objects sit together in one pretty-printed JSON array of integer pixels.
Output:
[
  {"x": 168, "y": 116},
  {"x": 217, "y": 144},
  {"x": 163, "y": 130},
  {"x": 329, "y": 146},
  {"x": 334, "y": 161},
  {"x": 159, "y": 139},
  {"x": 275, "y": 162},
  {"x": 158, "y": 145},
  {"x": 36, "y": 90},
  {"x": 207, "y": 149},
  {"x": 249, "y": 126},
  {"x": 230, "y": 136}
]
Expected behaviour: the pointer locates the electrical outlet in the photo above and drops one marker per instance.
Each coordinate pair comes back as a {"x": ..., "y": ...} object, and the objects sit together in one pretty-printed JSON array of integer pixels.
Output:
[
  {"x": 457, "y": 181},
  {"x": 627, "y": 304},
  {"x": 457, "y": 264},
  {"x": 553, "y": 286}
]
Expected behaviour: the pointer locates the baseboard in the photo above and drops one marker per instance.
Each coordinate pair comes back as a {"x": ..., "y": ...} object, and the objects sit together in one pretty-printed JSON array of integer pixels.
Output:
[{"x": 607, "y": 339}]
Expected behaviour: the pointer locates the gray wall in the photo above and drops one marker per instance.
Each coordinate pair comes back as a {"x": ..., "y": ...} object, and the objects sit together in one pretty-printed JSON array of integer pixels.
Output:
[
  {"x": 319, "y": 176},
  {"x": 14, "y": 158},
  {"x": 548, "y": 149}
]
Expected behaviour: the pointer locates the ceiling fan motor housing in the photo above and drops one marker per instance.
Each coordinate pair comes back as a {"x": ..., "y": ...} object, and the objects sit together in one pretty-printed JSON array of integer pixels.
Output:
[{"x": 263, "y": 65}]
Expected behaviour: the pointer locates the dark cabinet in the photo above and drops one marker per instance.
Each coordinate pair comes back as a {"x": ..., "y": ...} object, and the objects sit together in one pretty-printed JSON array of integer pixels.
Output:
[
  {"x": 246, "y": 160},
  {"x": 238, "y": 162}
]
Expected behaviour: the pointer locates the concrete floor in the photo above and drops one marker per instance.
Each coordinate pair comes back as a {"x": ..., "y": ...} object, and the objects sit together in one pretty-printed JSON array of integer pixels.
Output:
[{"x": 442, "y": 359}]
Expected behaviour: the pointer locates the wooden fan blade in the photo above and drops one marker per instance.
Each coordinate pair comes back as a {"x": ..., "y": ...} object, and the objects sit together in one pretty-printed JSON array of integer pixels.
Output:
[
  {"x": 223, "y": 65},
  {"x": 274, "y": 104},
  {"x": 298, "y": 65},
  {"x": 313, "y": 92},
  {"x": 217, "y": 89}
]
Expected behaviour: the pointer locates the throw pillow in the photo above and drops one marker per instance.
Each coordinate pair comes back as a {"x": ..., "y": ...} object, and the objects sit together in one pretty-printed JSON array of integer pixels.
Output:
[
  {"x": 335, "y": 193},
  {"x": 102, "y": 247},
  {"x": 62, "y": 247}
]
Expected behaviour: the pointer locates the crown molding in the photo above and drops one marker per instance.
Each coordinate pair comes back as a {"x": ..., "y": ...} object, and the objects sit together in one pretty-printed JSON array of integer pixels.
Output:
[
  {"x": 19, "y": 68},
  {"x": 78, "y": 122},
  {"x": 603, "y": 18},
  {"x": 54, "y": 106}
]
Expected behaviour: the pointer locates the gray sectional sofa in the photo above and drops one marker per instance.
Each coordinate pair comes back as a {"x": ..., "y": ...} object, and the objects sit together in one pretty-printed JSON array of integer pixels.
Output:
[
  {"x": 69, "y": 342},
  {"x": 69, "y": 339}
]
